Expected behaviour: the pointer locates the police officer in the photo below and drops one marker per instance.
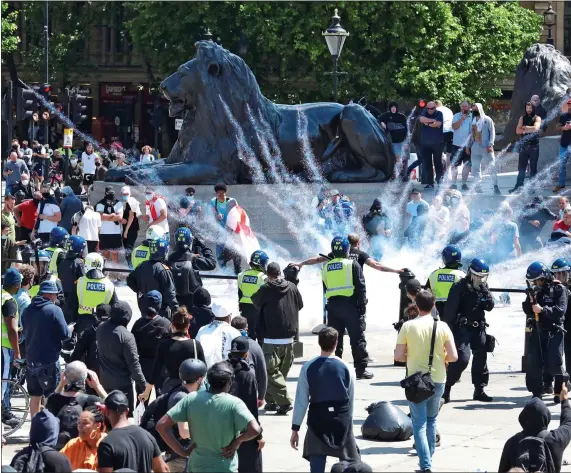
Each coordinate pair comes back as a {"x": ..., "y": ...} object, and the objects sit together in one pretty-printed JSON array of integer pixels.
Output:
[
  {"x": 185, "y": 264},
  {"x": 249, "y": 282},
  {"x": 92, "y": 289},
  {"x": 545, "y": 308},
  {"x": 142, "y": 253},
  {"x": 560, "y": 269},
  {"x": 347, "y": 303},
  {"x": 441, "y": 281},
  {"x": 155, "y": 275},
  {"x": 55, "y": 250},
  {"x": 43, "y": 274},
  {"x": 465, "y": 313},
  {"x": 71, "y": 268}
]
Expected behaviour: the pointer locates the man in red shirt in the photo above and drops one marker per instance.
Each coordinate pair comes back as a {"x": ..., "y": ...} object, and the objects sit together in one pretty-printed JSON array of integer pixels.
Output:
[
  {"x": 26, "y": 214},
  {"x": 563, "y": 226}
]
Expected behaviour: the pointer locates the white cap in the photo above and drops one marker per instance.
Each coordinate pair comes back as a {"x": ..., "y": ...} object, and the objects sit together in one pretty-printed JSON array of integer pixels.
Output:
[
  {"x": 219, "y": 311},
  {"x": 126, "y": 190}
]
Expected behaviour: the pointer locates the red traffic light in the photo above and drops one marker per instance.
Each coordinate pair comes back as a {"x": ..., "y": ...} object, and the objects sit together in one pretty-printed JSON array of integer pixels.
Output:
[{"x": 422, "y": 104}]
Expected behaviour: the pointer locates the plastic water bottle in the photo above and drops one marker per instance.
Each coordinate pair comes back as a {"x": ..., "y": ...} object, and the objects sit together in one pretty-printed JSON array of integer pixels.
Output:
[{"x": 510, "y": 368}]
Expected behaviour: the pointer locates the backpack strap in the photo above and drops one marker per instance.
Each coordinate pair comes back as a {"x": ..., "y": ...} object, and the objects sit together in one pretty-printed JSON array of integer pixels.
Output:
[
  {"x": 432, "y": 341},
  {"x": 194, "y": 346}
]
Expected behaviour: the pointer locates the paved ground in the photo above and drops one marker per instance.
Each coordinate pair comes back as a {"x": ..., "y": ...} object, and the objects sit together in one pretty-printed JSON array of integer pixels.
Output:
[{"x": 473, "y": 434}]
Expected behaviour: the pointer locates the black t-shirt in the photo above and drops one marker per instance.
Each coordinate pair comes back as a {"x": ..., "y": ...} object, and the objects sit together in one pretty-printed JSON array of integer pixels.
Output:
[
  {"x": 529, "y": 139},
  {"x": 565, "y": 135},
  {"x": 356, "y": 255},
  {"x": 56, "y": 401},
  {"x": 10, "y": 308},
  {"x": 171, "y": 353},
  {"x": 541, "y": 112},
  {"x": 134, "y": 228},
  {"x": 396, "y": 125},
  {"x": 128, "y": 447}
]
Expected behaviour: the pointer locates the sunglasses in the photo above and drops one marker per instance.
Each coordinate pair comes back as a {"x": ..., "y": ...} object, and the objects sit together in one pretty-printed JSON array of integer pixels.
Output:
[{"x": 430, "y": 108}]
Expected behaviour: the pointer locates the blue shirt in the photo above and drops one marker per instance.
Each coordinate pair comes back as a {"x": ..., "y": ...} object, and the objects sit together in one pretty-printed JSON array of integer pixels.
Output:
[
  {"x": 69, "y": 207},
  {"x": 428, "y": 134},
  {"x": 506, "y": 233}
]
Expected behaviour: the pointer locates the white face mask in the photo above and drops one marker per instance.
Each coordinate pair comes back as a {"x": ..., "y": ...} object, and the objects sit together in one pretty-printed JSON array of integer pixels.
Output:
[
  {"x": 73, "y": 162},
  {"x": 25, "y": 182},
  {"x": 149, "y": 196}
]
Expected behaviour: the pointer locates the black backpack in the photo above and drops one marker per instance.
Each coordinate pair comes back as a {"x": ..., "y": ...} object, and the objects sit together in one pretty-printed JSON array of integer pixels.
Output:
[
  {"x": 153, "y": 413},
  {"x": 68, "y": 417},
  {"x": 30, "y": 460},
  {"x": 534, "y": 455},
  {"x": 181, "y": 274}
]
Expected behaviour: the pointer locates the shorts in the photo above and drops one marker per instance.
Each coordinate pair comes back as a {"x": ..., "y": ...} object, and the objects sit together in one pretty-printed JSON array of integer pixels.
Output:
[
  {"x": 92, "y": 246},
  {"x": 110, "y": 241},
  {"x": 88, "y": 179},
  {"x": 42, "y": 168},
  {"x": 448, "y": 137},
  {"x": 45, "y": 237},
  {"x": 23, "y": 233},
  {"x": 458, "y": 157},
  {"x": 42, "y": 379}
]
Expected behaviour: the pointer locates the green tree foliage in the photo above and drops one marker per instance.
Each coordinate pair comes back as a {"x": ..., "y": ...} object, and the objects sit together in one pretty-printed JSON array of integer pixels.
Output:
[
  {"x": 452, "y": 50},
  {"x": 9, "y": 29}
]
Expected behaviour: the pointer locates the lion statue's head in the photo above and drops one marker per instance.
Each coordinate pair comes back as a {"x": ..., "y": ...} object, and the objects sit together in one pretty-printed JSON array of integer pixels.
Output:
[
  {"x": 210, "y": 90},
  {"x": 543, "y": 71}
]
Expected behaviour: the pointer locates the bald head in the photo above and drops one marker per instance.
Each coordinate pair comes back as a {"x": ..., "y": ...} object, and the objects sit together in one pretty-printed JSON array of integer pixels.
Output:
[
  {"x": 431, "y": 107},
  {"x": 535, "y": 100}
]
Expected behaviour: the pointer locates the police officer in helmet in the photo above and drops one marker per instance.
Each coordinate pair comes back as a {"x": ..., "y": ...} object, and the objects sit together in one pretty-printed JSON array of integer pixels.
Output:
[
  {"x": 441, "y": 280},
  {"x": 92, "y": 290},
  {"x": 347, "y": 303},
  {"x": 55, "y": 250},
  {"x": 142, "y": 252},
  {"x": 465, "y": 313},
  {"x": 70, "y": 269},
  {"x": 249, "y": 282},
  {"x": 43, "y": 274},
  {"x": 155, "y": 275},
  {"x": 545, "y": 309},
  {"x": 561, "y": 269},
  {"x": 189, "y": 257}
]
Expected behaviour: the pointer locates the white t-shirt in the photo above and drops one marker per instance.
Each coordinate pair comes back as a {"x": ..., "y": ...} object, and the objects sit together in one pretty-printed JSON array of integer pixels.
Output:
[
  {"x": 159, "y": 205},
  {"x": 108, "y": 227},
  {"x": 442, "y": 214},
  {"x": 88, "y": 224},
  {"x": 460, "y": 221},
  {"x": 46, "y": 225},
  {"x": 447, "y": 118},
  {"x": 216, "y": 340},
  {"x": 462, "y": 134},
  {"x": 412, "y": 206},
  {"x": 88, "y": 161},
  {"x": 147, "y": 158}
]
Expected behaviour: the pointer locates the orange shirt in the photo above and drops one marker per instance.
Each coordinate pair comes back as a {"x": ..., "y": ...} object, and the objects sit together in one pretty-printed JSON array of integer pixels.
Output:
[{"x": 80, "y": 455}]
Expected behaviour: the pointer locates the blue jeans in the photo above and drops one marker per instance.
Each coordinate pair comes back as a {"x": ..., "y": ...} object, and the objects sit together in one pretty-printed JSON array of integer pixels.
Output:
[
  {"x": 317, "y": 463},
  {"x": 7, "y": 358},
  {"x": 423, "y": 416},
  {"x": 564, "y": 153}
]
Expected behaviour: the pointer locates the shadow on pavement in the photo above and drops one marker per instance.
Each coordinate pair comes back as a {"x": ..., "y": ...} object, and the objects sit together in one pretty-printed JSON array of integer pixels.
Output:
[
  {"x": 387, "y": 383},
  {"x": 385, "y": 450}
]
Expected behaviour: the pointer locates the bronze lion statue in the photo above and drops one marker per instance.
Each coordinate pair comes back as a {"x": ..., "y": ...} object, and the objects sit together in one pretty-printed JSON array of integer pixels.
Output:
[{"x": 231, "y": 133}]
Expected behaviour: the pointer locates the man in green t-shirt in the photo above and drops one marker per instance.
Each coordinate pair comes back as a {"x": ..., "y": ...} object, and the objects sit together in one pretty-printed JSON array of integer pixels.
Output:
[{"x": 217, "y": 421}]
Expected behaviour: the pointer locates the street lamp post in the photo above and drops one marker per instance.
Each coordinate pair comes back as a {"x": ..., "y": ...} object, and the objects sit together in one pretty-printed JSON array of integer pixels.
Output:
[
  {"x": 335, "y": 37},
  {"x": 549, "y": 17}
]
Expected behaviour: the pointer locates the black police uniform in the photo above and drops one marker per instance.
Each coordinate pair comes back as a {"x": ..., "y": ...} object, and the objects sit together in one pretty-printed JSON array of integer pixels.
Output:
[
  {"x": 567, "y": 326},
  {"x": 154, "y": 275},
  {"x": 465, "y": 313},
  {"x": 69, "y": 270},
  {"x": 349, "y": 313},
  {"x": 186, "y": 264},
  {"x": 545, "y": 359}
]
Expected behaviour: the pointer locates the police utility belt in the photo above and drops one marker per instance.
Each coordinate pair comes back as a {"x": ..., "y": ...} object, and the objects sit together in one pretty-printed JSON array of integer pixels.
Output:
[{"x": 465, "y": 322}]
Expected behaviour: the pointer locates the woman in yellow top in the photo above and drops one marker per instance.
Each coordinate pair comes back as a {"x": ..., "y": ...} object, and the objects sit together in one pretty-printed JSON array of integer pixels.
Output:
[{"x": 82, "y": 451}]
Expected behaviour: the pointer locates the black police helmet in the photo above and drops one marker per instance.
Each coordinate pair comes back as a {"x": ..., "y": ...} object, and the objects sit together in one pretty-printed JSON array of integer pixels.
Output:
[{"x": 190, "y": 370}]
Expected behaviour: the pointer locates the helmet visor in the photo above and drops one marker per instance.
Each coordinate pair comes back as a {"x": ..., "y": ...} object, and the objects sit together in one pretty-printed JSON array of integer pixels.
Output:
[
  {"x": 562, "y": 276},
  {"x": 478, "y": 280}
]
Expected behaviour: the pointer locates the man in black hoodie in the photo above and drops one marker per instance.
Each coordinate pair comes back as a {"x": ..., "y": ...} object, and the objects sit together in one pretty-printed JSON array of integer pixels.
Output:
[
  {"x": 396, "y": 124},
  {"x": 201, "y": 312},
  {"x": 534, "y": 420},
  {"x": 118, "y": 358},
  {"x": 279, "y": 303}
]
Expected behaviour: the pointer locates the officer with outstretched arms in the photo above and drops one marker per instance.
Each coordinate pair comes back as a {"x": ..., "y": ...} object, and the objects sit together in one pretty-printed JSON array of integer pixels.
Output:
[
  {"x": 70, "y": 269},
  {"x": 545, "y": 307},
  {"x": 155, "y": 275},
  {"x": 441, "y": 280},
  {"x": 142, "y": 252},
  {"x": 55, "y": 250},
  {"x": 346, "y": 305},
  {"x": 249, "y": 282},
  {"x": 43, "y": 274},
  {"x": 465, "y": 313},
  {"x": 561, "y": 269},
  {"x": 92, "y": 289},
  {"x": 189, "y": 257}
]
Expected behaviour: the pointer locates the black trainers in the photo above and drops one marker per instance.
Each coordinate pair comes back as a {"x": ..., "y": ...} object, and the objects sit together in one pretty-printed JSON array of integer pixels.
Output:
[
  {"x": 365, "y": 375},
  {"x": 270, "y": 407},
  {"x": 11, "y": 421},
  {"x": 465, "y": 187},
  {"x": 283, "y": 410},
  {"x": 497, "y": 190},
  {"x": 446, "y": 395},
  {"x": 547, "y": 390},
  {"x": 429, "y": 186},
  {"x": 482, "y": 396},
  {"x": 556, "y": 399}
]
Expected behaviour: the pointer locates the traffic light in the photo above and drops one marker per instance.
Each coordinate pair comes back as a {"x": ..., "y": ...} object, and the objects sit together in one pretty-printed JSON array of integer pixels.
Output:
[
  {"x": 78, "y": 108},
  {"x": 26, "y": 103},
  {"x": 46, "y": 92}
]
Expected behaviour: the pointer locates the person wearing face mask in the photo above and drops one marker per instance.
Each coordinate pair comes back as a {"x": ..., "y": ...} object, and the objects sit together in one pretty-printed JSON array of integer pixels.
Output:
[
  {"x": 70, "y": 205},
  {"x": 49, "y": 215},
  {"x": 74, "y": 177},
  {"x": 528, "y": 127},
  {"x": 25, "y": 186},
  {"x": 130, "y": 221},
  {"x": 88, "y": 160},
  {"x": 396, "y": 124},
  {"x": 26, "y": 215},
  {"x": 465, "y": 313},
  {"x": 156, "y": 210},
  {"x": 111, "y": 211},
  {"x": 100, "y": 170}
]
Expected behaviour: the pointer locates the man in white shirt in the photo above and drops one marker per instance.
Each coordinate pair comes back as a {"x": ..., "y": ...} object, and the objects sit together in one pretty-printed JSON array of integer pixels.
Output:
[
  {"x": 461, "y": 124},
  {"x": 87, "y": 225},
  {"x": 216, "y": 337},
  {"x": 447, "y": 130},
  {"x": 49, "y": 215},
  {"x": 156, "y": 210},
  {"x": 438, "y": 217},
  {"x": 111, "y": 211},
  {"x": 88, "y": 160}
]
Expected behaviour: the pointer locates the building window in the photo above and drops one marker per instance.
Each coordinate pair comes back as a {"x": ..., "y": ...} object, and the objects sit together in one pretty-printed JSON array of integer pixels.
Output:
[{"x": 567, "y": 29}]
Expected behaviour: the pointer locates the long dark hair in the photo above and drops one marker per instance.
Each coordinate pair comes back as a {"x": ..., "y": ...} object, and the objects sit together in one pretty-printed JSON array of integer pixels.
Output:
[{"x": 532, "y": 109}]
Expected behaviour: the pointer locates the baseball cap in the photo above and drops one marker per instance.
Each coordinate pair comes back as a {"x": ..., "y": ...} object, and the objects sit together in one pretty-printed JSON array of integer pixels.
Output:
[
  {"x": 48, "y": 287},
  {"x": 240, "y": 345},
  {"x": 154, "y": 299},
  {"x": 335, "y": 192},
  {"x": 117, "y": 401},
  {"x": 12, "y": 277},
  {"x": 125, "y": 190},
  {"x": 413, "y": 286},
  {"x": 219, "y": 311}
]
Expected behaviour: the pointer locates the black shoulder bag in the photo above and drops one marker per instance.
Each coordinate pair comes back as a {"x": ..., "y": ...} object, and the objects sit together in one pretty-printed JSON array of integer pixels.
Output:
[{"x": 419, "y": 386}]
